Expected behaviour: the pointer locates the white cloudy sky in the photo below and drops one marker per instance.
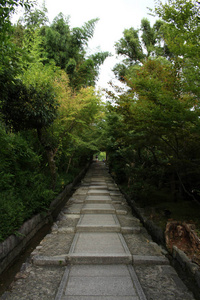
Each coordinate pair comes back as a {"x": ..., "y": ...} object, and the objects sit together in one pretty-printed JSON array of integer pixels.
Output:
[{"x": 115, "y": 16}]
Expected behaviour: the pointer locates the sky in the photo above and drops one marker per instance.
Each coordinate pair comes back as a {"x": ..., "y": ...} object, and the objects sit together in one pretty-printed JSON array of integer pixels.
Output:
[{"x": 114, "y": 15}]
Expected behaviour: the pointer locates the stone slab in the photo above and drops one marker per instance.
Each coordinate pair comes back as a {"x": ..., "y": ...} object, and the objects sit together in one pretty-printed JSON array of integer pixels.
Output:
[
  {"x": 98, "y": 187},
  {"x": 72, "y": 216},
  {"x": 95, "y": 208},
  {"x": 98, "y": 270},
  {"x": 97, "y": 211},
  {"x": 100, "y": 286},
  {"x": 150, "y": 260},
  {"x": 49, "y": 260},
  {"x": 98, "y": 219},
  {"x": 100, "y": 298},
  {"x": 98, "y": 223},
  {"x": 112, "y": 187},
  {"x": 99, "y": 258},
  {"x": 121, "y": 212},
  {"x": 100, "y": 192},
  {"x": 115, "y": 193},
  {"x": 97, "y": 179},
  {"x": 98, "y": 205},
  {"x": 98, "y": 228},
  {"x": 98, "y": 183},
  {"x": 129, "y": 230},
  {"x": 99, "y": 243},
  {"x": 103, "y": 282},
  {"x": 98, "y": 199}
]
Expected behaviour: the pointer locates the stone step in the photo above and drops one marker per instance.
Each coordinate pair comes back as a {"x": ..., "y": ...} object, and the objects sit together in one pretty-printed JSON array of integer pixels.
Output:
[
  {"x": 100, "y": 282},
  {"x": 98, "y": 228},
  {"x": 98, "y": 211},
  {"x": 149, "y": 260},
  {"x": 106, "y": 228},
  {"x": 98, "y": 187},
  {"x": 99, "y": 248},
  {"x": 97, "y": 183},
  {"x": 102, "y": 211},
  {"x": 40, "y": 260},
  {"x": 98, "y": 199},
  {"x": 99, "y": 258},
  {"x": 103, "y": 208},
  {"x": 98, "y": 193},
  {"x": 98, "y": 219}
]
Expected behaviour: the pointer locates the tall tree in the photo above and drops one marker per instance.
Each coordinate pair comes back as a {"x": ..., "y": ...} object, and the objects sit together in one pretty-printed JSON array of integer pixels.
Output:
[
  {"x": 67, "y": 47},
  {"x": 9, "y": 52},
  {"x": 181, "y": 32},
  {"x": 137, "y": 45},
  {"x": 159, "y": 137}
]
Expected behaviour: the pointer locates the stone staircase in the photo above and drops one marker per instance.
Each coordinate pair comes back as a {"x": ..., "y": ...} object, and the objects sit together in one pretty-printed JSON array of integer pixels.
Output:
[
  {"x": 99, "y": 262},
  {"x": 98, "y": 250}
]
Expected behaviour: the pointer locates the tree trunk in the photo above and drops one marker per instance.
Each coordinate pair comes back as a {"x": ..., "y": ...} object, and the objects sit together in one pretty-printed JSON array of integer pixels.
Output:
[
  {"x": 50, "y": 158},
  {"x": 52, "y": 166},
  {"x": 173, "y": 187},
  {"x": 69, "y": 163}
]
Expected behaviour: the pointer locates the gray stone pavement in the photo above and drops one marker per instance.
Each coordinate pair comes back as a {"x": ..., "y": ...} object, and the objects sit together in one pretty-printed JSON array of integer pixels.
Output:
[{"x": 97, "y": 250}]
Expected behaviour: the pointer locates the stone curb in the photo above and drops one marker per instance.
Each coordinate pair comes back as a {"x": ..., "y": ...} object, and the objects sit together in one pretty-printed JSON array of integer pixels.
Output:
[
  {"x": 14, "y": 244},
  {"x": 179, "y": 259},
  {"x": 62, "y": 284},
  {"x": 137, "y": 284},
  {"x": 191, "y": 269},
  {"x": 149, "y": 260},
  {"x": 49, "y": 260},
  {"x": 98, "y": 258},
  {"x": 98, "y": 228},
  {"x": 156, "y": 232}
]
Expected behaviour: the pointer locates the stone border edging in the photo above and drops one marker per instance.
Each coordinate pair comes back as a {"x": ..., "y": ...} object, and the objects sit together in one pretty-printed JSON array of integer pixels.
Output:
[
  {"x": 156, "y": 232},
  {"x": 191, "y": 269},
  {"x": 177, "y": 257},
  {"x": 14, "y": 244}
]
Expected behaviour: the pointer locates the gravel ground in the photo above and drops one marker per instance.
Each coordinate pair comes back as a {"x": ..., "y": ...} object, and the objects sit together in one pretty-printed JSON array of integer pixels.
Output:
[
  {"x": 67, "y": 222},
  {"x": 140, "y": 244},
  {"x": 128, "y": 221},
  {"x": 55, "y": 244},
  {"x": 41, "y": 284},
  {"x": 162, "y": 283}
]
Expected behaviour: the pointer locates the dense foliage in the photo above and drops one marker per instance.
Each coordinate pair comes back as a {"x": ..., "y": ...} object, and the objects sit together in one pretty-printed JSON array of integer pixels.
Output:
[
  {"x": 49, "y": 109},
  {"x": 153, "y": 125},
  {"x": 52, "y": 120}
]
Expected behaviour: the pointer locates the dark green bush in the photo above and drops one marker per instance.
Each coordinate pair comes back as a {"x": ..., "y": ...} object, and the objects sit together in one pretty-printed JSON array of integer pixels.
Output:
[{"x": 24, "y": 189}]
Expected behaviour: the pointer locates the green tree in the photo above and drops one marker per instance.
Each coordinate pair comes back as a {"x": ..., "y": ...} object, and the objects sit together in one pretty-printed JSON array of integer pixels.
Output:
[
  {"x": 75, "y": 127},
  {"x": 158, "y": 138},
  {"x": 159, "y": 134},
  {"x": 31, "y": 101},
  {"x": 137, "y": 45},
  {"x": 9, "y": 52},
  {"x": 181, "y": 32},
  {"x": 67, "y": 47}
]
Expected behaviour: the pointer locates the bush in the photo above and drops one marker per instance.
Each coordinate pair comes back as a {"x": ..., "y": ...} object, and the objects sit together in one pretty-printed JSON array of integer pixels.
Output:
[{"x": 24, "y": 189}]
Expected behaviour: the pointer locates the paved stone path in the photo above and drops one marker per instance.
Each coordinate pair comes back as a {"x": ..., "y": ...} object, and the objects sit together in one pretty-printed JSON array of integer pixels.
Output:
[{"x": 98, "y": 250}]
